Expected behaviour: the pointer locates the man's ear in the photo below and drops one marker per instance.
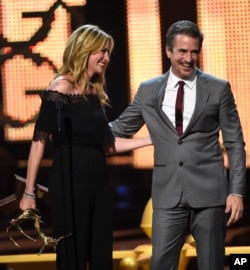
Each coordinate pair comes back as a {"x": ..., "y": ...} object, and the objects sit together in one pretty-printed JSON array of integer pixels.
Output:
[{"x": 168, "y": 51}]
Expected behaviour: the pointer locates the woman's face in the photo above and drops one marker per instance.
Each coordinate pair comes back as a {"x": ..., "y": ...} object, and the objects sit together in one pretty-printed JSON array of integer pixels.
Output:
[{"x": 98, "y": 61}]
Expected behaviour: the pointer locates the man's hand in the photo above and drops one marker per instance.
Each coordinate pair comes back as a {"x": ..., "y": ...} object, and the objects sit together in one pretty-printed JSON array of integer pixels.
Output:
[{"x": 234, "y": 206}]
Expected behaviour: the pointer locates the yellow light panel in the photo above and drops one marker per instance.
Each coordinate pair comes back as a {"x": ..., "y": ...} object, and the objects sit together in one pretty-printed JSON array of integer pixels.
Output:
[
  {"x": 226, "y": 50},
  {"x": 33, "y": 48},
  {"x": 144, "y": 48}
]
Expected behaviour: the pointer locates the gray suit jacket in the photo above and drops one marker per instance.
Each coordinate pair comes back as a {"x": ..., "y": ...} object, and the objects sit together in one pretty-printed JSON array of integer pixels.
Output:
[{"x": 193, "y": 163}]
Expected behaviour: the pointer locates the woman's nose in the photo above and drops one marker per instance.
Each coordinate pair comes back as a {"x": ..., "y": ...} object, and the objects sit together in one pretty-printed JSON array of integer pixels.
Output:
[{"x": 106, "y": 56}]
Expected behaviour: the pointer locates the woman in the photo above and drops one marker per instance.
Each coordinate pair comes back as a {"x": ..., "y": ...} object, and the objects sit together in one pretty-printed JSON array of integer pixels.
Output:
[{"x": 72, "y": 115}]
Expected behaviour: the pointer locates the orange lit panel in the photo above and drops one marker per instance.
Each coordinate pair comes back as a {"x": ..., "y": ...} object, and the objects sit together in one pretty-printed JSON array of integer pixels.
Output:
[
  {"x": 34, "y": 34},
  {"x": 144, "y": 48},
  {"x": 226, "y": 51}
]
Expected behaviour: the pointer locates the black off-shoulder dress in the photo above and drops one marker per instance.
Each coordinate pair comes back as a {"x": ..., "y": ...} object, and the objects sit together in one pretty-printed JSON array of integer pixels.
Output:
[{"x": 78, "y": 185}]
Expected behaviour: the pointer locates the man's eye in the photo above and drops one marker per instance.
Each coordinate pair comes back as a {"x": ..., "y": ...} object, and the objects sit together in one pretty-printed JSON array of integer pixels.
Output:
[{"x": 181, "y": 52}]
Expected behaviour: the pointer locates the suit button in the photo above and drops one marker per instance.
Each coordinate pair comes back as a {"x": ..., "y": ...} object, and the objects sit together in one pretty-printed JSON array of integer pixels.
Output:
[
  {"x": 179, "y": 141},
  {"x": 181, "y": 163}
]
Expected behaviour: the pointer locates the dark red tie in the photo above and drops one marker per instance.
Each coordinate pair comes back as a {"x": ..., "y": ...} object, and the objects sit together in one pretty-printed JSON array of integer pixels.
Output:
[{"x": 179, "y": 108}]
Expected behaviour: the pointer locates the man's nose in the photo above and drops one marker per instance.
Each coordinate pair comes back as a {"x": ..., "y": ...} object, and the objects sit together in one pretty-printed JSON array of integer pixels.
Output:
[{"x": 188, "y": 57}]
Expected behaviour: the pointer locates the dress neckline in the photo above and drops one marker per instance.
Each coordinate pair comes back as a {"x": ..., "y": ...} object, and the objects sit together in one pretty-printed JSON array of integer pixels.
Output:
[
  {"x": 53, "y": 95},
  {"x": 70, "y": 94}
]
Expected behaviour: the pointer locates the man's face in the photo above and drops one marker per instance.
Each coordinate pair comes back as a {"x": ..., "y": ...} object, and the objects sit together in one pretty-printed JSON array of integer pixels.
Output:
[{"x": 184, "y": 55}]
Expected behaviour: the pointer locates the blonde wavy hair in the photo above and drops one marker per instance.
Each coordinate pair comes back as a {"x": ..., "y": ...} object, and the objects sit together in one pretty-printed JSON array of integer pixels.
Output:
[{"x": 83, "y": 41}]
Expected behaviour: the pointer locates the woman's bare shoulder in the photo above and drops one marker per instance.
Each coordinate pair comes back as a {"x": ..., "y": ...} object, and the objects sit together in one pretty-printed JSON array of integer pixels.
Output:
[{"x": 62, "y": 85}]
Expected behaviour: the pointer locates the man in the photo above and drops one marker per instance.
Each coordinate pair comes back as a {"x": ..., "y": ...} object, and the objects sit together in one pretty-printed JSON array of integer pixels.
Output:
[{"x": 190, "y": 183}]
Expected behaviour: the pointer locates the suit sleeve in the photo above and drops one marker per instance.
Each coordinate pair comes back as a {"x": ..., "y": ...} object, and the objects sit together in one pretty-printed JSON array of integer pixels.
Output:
[
  {"x": 233, "y": 142},
  {"x": 131, "y": 120}
]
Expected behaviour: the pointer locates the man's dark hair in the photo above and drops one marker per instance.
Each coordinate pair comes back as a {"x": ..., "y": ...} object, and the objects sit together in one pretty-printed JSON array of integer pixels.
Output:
[{"x": 183, "y": 27}]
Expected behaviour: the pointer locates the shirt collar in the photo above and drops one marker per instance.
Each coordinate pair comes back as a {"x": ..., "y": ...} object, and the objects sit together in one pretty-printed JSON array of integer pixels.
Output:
[{"x": 173, "y": 80}]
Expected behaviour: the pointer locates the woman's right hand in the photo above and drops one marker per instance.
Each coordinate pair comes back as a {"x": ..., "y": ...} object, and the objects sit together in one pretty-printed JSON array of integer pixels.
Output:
[
  {"x": 35, "y": 157},
  {"x": 26, "y": 203}
]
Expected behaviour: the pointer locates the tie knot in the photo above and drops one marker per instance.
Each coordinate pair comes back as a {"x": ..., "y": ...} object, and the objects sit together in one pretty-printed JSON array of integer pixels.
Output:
[{"x": 181, "y": 83}]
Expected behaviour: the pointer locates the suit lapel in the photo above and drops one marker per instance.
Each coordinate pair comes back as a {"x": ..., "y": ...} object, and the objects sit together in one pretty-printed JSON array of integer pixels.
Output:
[
  {"x": 202, "y": 94},
  {"x": 160, "y": 92}
]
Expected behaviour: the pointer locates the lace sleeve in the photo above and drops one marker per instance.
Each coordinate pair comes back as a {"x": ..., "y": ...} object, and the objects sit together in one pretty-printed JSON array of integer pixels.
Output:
[
  {"x": 41, "y": 136},
  {"x": 46, "y": 124}
]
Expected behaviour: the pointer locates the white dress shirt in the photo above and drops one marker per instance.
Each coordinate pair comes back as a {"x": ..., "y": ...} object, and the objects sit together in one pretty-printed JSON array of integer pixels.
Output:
[{"x": 168, "y": 104}]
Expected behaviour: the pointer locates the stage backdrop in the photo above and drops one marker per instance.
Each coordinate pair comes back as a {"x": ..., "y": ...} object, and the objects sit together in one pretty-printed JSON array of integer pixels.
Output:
[{"x": 33, "y": 35}]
